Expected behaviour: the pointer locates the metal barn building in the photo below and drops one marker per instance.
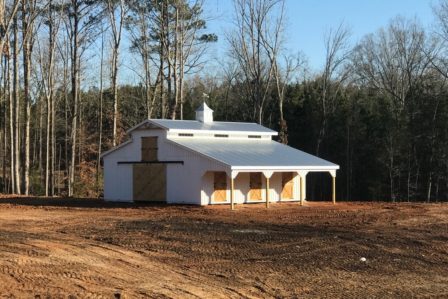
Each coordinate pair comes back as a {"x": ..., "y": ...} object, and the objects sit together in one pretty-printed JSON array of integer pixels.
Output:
[{"x": 207, "y": 162}]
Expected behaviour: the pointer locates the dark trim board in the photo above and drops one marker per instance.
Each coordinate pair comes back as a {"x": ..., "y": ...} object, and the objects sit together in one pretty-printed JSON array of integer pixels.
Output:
[{"x": 151, "y": 162}]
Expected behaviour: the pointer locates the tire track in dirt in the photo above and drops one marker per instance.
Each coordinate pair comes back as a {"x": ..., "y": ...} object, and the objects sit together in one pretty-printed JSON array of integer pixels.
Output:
[{"x": 189, "y": 252}]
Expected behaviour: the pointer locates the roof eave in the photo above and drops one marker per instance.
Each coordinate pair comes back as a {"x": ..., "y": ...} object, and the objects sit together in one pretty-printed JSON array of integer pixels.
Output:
[{"x": 286, "y": 168}]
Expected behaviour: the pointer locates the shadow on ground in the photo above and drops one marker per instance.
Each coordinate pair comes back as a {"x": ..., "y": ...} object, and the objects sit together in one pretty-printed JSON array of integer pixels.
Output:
[{"x": 97, "y": 203}]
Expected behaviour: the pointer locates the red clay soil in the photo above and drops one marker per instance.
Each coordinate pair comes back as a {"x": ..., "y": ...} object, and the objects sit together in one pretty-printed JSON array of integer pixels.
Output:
[{"x": 85, "y": 248}]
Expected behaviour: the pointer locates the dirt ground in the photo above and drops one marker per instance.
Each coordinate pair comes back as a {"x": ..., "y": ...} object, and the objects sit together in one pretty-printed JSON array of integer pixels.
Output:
[{"x": 54, "y": 248}]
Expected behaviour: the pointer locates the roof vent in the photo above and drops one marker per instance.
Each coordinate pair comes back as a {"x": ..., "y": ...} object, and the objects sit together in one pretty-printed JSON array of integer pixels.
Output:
[{"x": 204, "y": 114}]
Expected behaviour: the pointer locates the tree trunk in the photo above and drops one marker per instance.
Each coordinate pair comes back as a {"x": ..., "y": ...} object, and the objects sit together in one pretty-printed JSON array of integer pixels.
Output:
[
  {"x": 100, "y": 119},
  {"x": 75, "y": 80},
  {"x": 115, "y": 93},
  {"x": 16, "y": 109},
  {"x": 11, "y": 128},
  {"x": 27, "y": 32}
]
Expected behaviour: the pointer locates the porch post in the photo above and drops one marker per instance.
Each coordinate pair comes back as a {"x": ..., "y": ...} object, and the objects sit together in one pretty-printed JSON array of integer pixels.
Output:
[
  {"x": 232, "y": 175},
  {"x": 267, "y": 175},
  {"x": 232, "y": 193},
  {"x": 301, "y": 190},
  {"x": 267, "y": 192},
  {"x": 333, "y": 189},
  {"x": 302, "y": 175}
]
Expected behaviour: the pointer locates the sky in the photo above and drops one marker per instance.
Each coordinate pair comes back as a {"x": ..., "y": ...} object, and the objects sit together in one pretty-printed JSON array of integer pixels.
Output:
[{"x": 309, "y": 20}]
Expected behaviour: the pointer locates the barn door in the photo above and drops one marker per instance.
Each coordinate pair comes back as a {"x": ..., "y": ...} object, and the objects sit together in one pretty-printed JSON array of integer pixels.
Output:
[
  {"x": 149, "y": 148},
  {"x": 287, "y": 185},
  {"x": 149, "y": 182},
  {"x": 255, "y": 186},
  {"x": 220, "y": 187}
]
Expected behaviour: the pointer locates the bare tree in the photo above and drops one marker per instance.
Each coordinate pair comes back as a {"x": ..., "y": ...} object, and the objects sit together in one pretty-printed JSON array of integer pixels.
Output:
[
  {"x": 139, "y": 25},
  {"x": 255, "y": 44},
  {"x": 6, "y": 22},
  {"x": 100, "y": 114},
  {"x": 47, "y": 74},
  {"x": 116, "y": 25},
  {"x": 334, "y": 75},
  {"x": 282, "y": 77},
  {"x": 394, "y": 62},
  {"x": 81, "y": 21}
]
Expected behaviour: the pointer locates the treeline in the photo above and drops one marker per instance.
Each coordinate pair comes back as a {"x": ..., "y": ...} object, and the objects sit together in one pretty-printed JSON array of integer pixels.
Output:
[{"x": 379, "y": 108}]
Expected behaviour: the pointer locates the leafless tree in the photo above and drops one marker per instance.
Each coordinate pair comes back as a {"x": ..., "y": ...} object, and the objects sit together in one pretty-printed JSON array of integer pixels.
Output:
[
  {"x": 255, "y": 44},
  {"x": 283, "y": 73},
  {"x": 394, "y": 61},
  {"x": 116, "y": 11}
]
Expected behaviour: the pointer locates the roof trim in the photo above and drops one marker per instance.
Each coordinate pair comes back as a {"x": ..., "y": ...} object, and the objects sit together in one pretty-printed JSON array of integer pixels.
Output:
[
  {"x": 269, "y": 132},
  {"x": 310, "y": 168},
  {"x": 143, "y": 123}
]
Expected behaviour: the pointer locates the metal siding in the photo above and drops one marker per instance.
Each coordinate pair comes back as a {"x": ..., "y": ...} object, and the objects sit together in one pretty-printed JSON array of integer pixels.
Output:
[
  {"x": 117, "y": 181},
  {"x": 118, "y": 177},
  {"x": 185, "y": 181},
  {"x": 192, "y": 182}
]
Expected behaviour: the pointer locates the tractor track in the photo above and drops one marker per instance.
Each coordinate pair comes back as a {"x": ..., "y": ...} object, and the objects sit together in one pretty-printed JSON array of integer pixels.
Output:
[{"x": 52, "y": 250}]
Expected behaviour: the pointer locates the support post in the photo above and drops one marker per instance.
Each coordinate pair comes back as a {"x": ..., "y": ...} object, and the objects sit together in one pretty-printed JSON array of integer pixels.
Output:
[
  {"x": 334, "y": 189},
  {"x": 302, "y": 175},
  {"x": 267, "y": 192},
  {"x": 267, "y": 174},
  {"x": 232, "y": 204}
]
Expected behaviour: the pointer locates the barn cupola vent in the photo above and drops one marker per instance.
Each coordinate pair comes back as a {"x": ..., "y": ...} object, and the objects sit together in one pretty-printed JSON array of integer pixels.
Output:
[{"x": 204, "y": 114}]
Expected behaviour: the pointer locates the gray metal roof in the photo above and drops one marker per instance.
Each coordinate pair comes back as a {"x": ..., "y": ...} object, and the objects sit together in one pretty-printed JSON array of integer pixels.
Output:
[
  {"x": 194, "y": 125},
  {"x": 247, "y": 153}
]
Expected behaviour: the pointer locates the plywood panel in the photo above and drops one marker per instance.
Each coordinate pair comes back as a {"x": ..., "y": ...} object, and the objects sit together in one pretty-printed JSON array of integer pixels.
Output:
[
  {"x": 220, "y": 187},
  {"x": 149, "y": 148},
  {"x": 287, "y": 185},
  {"x": 255, "y": 186},
  {"x": 149, "y": 142},
  {"x": 149, "y": 182}
]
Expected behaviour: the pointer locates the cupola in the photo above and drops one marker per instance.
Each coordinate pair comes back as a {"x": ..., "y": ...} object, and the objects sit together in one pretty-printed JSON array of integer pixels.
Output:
[{"x": 204, "y": 114}]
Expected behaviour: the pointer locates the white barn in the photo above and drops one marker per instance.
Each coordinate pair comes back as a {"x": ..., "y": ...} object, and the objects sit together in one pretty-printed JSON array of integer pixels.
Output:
[{"x": 206, "y": 162}]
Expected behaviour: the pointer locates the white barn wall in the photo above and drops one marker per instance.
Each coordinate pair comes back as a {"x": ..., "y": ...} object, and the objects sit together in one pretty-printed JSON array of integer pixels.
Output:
[
  {"x": 186, "y": 181},
  {"x": 275, "y": 182},
  {"x": 118, "y": 178},
  {"x": 207, "y": 188}
]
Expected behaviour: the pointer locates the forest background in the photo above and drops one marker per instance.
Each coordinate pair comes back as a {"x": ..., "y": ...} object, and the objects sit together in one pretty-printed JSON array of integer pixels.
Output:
[{"x": 378, "y": 107}]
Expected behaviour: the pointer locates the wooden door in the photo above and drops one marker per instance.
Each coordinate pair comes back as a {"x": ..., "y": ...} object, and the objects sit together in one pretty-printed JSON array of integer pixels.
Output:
[
  {"x": 287, "y": 185},
  {"x": 255, "y": 186},
  {"x": 220, "y": 187},
  {"x": 149, "y": 149},
  {"x": 149, "y": 182}
]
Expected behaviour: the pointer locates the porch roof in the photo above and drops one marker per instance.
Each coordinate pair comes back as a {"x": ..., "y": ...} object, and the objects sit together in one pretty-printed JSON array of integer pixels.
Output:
[{"x": 242, "y": 154}]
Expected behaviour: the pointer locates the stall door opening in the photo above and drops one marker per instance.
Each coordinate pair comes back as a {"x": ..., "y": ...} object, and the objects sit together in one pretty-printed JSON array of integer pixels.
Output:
[
  {"x": 255, "y": 186},
  {"x": 220, "y": 187},
  {"x": 287, "y": 185}
]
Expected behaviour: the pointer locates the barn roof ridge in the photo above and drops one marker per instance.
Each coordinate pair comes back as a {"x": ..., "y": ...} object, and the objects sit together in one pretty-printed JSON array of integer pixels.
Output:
[{"x": 194, "y": 125}]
